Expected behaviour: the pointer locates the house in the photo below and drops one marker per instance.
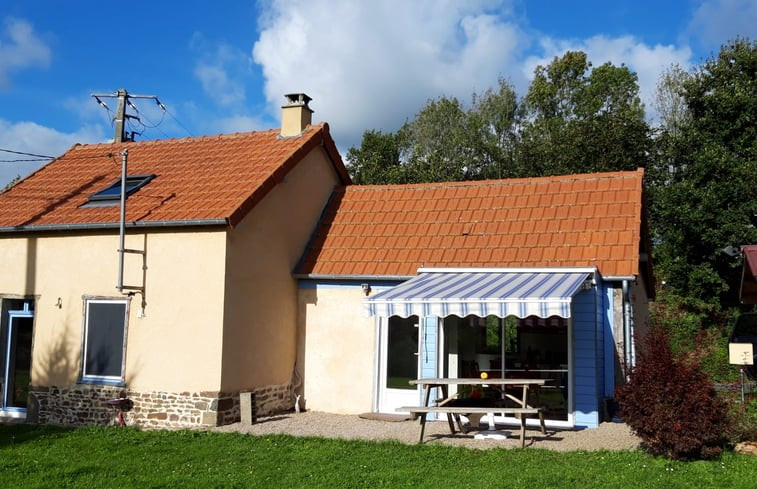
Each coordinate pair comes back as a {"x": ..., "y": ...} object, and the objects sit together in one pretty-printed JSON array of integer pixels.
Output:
[
  {"x": 191, "y": 304},
  {"x": 540, "y": 277},
  {"x": 248, "y": 263}
]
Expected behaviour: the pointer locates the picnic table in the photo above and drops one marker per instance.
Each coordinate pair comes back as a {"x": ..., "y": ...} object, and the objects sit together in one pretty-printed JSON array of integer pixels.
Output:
[{"x": 454, "y": 406}]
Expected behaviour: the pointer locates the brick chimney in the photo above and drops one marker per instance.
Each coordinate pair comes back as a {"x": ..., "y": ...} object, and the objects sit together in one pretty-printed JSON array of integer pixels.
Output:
[{"x": 295, "y": 115}]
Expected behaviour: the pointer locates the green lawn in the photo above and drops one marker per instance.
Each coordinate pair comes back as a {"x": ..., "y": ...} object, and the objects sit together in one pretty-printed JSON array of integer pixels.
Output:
[{"x": 32, "y": 456}]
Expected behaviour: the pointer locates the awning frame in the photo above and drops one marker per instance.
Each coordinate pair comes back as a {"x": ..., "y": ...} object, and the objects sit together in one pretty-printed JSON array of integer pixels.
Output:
[{"x": 543, "y": 306}]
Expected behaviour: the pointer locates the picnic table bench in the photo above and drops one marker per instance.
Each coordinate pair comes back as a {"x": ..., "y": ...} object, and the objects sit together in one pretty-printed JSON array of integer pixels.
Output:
[{"x": 454, "y": 407}]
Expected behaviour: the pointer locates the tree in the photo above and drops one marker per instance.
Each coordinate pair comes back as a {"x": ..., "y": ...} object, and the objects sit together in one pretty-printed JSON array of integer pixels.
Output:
[
  {"x": 576, "y": 120},
  {"x": 379, "y": 158},
  {"x": 669, "y": 101},
  {"x": 703, "y": 181},
  {"x": 444, "y": 142}
]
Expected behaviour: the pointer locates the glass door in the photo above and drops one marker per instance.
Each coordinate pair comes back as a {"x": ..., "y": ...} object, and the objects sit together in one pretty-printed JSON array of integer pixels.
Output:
[
  {"x": 518, "y": 348},
  {"x": 18, "y": 355},
  {"x": 398, "y": 363}
]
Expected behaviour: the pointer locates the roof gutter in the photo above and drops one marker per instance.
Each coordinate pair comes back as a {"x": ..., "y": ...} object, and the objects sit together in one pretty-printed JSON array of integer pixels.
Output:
[
  {"x": 619, "y": 278},
  {"x": 113, "y": 225},
  {"x": 321, "y": 276}
]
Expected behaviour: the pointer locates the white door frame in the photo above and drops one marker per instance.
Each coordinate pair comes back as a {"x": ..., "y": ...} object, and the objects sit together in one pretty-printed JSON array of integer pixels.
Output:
[
  {"x": 387, "y": 399},
  {"x": 12, "y": 411}
]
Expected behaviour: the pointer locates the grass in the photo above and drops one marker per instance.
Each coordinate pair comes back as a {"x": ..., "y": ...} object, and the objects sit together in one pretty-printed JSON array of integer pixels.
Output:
[{"x": 44, "y": 456}]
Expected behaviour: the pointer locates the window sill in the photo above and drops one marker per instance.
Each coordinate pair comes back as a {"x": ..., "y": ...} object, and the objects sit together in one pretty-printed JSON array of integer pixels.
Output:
[{"x": 104, "y": 382}]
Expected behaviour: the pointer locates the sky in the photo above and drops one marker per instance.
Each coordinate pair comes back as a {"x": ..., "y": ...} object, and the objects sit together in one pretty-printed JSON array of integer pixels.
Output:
[{"x": 224, "y": 66}]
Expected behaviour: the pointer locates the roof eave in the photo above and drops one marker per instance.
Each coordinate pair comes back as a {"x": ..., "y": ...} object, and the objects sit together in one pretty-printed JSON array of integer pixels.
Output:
[{"x": 91, "y": 226}]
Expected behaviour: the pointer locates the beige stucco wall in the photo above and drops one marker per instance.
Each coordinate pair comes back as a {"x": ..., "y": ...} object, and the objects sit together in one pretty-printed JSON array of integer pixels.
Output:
[
  {"x": 261, "y": 294},
  {"x": 337, "y": 341},
  {"x": 175, "y": 347}
]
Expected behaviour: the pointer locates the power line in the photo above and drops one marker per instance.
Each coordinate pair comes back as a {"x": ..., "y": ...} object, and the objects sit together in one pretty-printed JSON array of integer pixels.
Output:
[
  {"x": 178, "y": 122},
  {"x": 23, "y": 160},
  {"x": 26, "y": 154}
]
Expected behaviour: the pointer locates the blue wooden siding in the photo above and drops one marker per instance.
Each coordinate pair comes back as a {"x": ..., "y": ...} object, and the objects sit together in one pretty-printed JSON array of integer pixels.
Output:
[
  {"x": 429, "y": 346},
  {"x": 593, "y": 353},
  {"x": 587, "y": 357},
  {"x": 429, "y": 353}
]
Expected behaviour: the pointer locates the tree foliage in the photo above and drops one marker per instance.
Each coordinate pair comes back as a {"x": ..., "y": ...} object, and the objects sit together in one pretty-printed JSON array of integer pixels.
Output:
[
  {"x": 574, "y": 119},
  {"x": 578, "y": 119},
  {"x": 705, "y": 173},
  {"x": 444, "y": 142}
]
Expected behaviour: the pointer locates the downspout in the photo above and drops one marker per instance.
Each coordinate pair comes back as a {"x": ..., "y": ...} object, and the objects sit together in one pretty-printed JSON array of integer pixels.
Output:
[
  {"x": 376, "y": 364},
  {"x": 122, "y": 222},
  {"x": 628, "y": 347}
]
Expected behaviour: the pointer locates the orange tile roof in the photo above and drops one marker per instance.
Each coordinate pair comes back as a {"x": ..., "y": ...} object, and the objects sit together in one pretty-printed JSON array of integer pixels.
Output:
[
  {"x": 561, "y": 221},
  {"x": 200, "y": 179}
]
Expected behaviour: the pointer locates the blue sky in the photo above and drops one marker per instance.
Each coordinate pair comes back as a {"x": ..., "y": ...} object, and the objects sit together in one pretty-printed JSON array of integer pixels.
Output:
[{"x": 224, "y": 66}]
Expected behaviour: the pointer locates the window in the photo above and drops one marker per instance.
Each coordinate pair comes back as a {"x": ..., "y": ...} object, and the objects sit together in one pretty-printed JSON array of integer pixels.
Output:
[
  {"x": 112, "y": 195},
  {"x": 104, "y": 339}
]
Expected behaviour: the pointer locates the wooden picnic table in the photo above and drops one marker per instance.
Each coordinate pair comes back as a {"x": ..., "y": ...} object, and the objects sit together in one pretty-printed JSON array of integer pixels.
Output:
[{"x": 445, "y": 404}]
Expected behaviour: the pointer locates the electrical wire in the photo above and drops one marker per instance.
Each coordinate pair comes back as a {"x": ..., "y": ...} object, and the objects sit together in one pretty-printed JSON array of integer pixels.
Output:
[
  {"x": 179, "y": 123},
  {"x": 23, "y": 160},
  {"x": 25, "y": 154}
]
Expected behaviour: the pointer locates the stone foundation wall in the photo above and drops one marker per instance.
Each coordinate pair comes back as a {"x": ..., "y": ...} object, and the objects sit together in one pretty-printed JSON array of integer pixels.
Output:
[{"x": 88, "y": 405}]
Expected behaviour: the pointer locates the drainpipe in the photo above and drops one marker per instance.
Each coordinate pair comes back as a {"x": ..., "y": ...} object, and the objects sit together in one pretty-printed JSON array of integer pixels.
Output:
[
  {"x": 377, "y": 364},
  {"x": 122, "y": 222},
  {"x": 627, "y": 329}
]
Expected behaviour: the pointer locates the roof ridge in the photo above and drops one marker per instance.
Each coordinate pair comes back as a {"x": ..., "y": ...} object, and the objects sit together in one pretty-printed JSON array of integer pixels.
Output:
[
  {"x": 499, "y": 182},
  {"x": 189, "y": 139}
]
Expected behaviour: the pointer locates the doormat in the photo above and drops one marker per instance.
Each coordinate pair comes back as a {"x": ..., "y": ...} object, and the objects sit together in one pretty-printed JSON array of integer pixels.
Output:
[{"x": 384, "y": 416}]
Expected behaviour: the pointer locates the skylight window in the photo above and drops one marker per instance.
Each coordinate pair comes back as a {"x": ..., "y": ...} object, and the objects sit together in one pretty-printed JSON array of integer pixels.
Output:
[{"x": 112, "y": 194}]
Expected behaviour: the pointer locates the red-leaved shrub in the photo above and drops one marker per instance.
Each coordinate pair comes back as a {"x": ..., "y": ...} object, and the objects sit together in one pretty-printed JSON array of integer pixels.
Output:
[{"x": 672, "y": 404}]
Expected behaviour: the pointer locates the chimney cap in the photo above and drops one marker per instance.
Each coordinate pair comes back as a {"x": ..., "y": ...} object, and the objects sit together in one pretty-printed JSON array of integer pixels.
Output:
[{"x": 297, "y": 99}]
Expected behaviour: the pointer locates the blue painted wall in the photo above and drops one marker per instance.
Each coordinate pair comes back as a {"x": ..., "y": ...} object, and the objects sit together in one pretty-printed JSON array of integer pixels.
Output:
[
  {"x": 587, "y": 357},
  {"x": 429, "y": 356}
]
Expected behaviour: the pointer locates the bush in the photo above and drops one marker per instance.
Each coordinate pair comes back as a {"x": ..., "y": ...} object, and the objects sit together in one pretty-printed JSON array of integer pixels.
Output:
[
  {"x": 671, "y": 403},
  {"x": 743, "y": 425}
]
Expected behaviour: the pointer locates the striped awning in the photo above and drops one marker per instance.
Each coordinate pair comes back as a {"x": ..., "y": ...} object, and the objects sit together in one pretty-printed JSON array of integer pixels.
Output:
[{"x": 482, "y": 293}]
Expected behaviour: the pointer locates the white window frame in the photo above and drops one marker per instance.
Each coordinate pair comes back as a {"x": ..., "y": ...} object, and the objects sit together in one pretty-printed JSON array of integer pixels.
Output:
[{"x": 95, "y": 378}]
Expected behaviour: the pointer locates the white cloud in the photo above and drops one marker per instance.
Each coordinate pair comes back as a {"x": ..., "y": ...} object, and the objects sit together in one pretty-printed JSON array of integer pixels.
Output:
[
  {"x": 377, "y": 63},
  {"x": 30, "y": 137},
  {"x": 715, "y": 22},
  {"x": 648, "y": 62},
  {"x": 20, "y": 48},
  {"x": 216, "y": 83},
  {"x": 239, "y": 123},
  {"x": 221, "y": 70}
]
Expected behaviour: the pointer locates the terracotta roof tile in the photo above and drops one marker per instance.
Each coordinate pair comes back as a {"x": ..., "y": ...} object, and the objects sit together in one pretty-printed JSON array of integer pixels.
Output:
[
  {"x": 203, "y": 178},
  {"x": 572, "y": 220}
]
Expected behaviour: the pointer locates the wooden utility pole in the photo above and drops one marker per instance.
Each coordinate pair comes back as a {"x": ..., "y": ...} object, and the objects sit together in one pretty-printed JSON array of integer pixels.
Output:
[{"x": 119, "y": 119}]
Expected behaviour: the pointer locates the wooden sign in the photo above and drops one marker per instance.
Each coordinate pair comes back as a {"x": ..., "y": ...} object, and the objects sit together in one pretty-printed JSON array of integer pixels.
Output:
[{"x": 740, "y": 354}]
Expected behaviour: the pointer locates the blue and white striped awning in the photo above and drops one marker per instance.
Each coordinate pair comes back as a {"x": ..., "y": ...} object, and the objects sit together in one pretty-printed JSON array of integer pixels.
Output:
[{"x": 481, "y": 292}]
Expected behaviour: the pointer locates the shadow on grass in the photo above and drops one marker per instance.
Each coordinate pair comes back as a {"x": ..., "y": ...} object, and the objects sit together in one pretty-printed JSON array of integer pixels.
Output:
[{"x": 17, "y": 433}]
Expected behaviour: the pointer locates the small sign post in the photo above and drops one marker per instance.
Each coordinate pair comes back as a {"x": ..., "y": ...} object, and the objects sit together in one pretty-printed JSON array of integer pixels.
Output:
[{"x": 741, "y": 354}]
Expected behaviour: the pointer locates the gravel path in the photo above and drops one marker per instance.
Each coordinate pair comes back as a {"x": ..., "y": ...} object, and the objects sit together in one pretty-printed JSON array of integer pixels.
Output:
[{"x": 609, "y": 436}]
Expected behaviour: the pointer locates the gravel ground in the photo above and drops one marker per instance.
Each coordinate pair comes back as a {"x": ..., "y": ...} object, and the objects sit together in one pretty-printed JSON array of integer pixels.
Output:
[{"x": 609, "y": 436}]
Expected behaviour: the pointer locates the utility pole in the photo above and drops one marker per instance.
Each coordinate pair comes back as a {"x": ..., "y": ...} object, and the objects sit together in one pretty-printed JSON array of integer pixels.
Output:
[{"x": 120, "y": 134}]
